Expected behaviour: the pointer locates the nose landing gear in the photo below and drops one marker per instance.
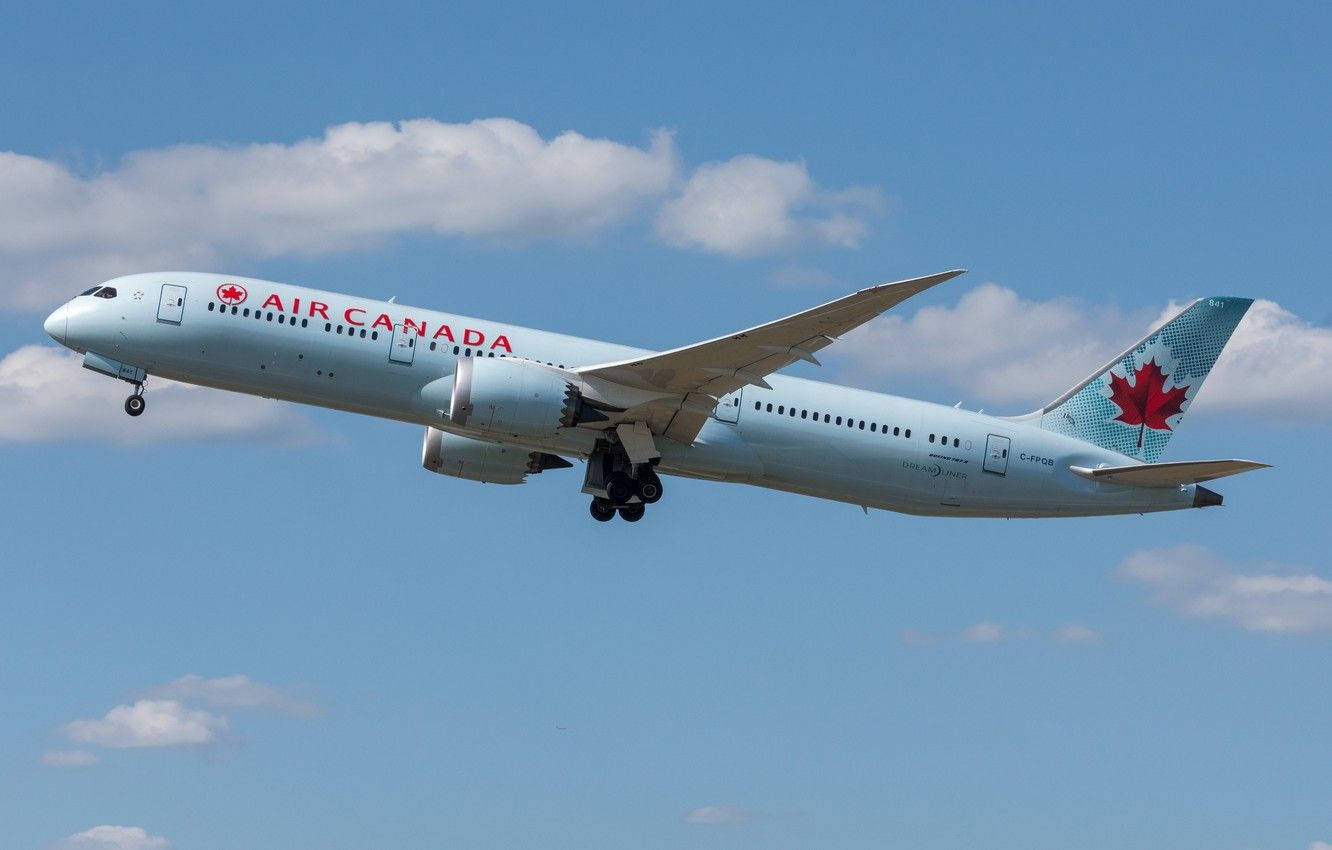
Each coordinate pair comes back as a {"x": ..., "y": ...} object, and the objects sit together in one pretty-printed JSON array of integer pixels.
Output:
[{"x": 136, "y": 403}]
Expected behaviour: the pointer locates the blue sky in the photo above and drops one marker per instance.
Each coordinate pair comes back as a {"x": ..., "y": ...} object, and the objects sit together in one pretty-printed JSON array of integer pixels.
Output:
[{"x": 343, "y": 651}]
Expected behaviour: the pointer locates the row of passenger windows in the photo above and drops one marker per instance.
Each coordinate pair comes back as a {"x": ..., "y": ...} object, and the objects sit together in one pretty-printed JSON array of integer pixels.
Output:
[
  {"x": 259, "y": 314},
  {"x": 783, "y": 410}
]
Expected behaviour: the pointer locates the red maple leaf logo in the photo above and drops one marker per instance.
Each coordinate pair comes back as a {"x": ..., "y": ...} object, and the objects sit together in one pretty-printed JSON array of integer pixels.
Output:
[
  {"x": 230, "y": 293},
  {"x": 1146, "y": 402}
]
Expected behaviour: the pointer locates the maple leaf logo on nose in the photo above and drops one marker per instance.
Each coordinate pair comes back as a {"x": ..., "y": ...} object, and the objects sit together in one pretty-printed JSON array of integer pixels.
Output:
[{"x": 1146, "y": 402}]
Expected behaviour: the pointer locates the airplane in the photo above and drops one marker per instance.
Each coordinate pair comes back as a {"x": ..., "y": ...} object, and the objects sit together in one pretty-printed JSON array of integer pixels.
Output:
[{"x": 500, "y": 403}]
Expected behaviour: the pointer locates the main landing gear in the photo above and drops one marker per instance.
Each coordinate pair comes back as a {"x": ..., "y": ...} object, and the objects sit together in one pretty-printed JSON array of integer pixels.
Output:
[
  {"x": 136, "y": 403},
  {"x": 619, "y": 486}
]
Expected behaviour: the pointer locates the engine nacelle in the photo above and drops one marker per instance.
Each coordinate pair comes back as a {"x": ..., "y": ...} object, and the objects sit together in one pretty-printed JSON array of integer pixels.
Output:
[
  {"x": 476, "y": 460},
  {"x": 515, "y": 398}
]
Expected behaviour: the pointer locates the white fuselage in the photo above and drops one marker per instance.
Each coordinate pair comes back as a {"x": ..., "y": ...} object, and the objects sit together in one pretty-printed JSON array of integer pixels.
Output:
[{"x": 394, "y": 361}]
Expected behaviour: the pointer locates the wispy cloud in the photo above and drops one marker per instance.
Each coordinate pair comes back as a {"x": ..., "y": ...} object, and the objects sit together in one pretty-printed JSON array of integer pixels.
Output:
[
  {"x": 1261, "y": 598},
  {"x": 750, "y": 205},
  {"x": 113, "y": 838},
  {"x": 988, "y": 632},
  {"x": 185, "y": 712},
  {"x": 69, "y": 758},
  {"x": 994, "y": 347},
  {"x": 50, "y": 396},
  {"x": 719, "y": 815},
  {"x": 197, "y": 206},
  {"x": 235, "y": 691},
  {"x": 149, "y": 723}
]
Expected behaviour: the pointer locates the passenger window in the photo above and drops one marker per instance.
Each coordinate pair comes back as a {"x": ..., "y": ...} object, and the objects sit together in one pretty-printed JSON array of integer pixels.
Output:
[
  {"x": 363, "y": 334},
  {"x": 374, "y": 334},
  {"x": 339, "y": 328},
  {"x": 907, "y": 433},
  {"x": 770, "y": 408},
  {"x": 896, "y": 431},
  {"x": 328, "y": 326},
  {"x": 931, "y": 438},
  {"x": 305, "y": 323},
  {"x": 804, "y": 414},
  {"x": 955, "y": 442},
  {"x": 839, "y": 420},
  {"x": 781, "y": 408},
  {"x": 210, "y": 306},
  {"x": 825, "y": 417},
  {"x": 874, "y": 427},
  {"x": 281, "y": 319},
  {"x": 758, "y": 405},
  {"x": 247, "y": 312},
  {"x": 455, "y": 350},
  {"x": 793, "y": 413},
  {"x": 432, "y": 346}
]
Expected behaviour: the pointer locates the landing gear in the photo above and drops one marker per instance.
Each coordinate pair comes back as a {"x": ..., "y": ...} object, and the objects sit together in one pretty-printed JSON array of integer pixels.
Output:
[
  {"x": 649, "y": 486},
  {"x": 135, "y": 404},
  {"x": 619, "y": 488},
  {"x": 602, "y": 510},
  {"x": 617, "y": 485}
]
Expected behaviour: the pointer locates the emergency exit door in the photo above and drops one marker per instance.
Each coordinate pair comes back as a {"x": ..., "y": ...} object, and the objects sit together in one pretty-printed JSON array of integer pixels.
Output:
[
  {"x": 171, "y": 305},
  {"x": 728, "y": 407},
  {"x": 402, "y": 349},
  {"x": 996, "y": 454}
]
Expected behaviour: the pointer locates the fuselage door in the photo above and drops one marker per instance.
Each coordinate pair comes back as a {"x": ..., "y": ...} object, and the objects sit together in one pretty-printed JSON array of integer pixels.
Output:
[
  {"x": 402, "y": 349},
  {"x": 171, "y": 306},
  {"x": 996, "y": 454},
  {"x": 728, "y": 407}
]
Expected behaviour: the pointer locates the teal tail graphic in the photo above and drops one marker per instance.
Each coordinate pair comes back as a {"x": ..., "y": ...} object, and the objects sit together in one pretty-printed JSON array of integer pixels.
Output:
[{"x": 1136, "y": 401}]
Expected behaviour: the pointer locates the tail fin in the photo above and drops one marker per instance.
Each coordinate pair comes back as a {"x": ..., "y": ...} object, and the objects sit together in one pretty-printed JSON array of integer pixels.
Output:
[{"x": 1136, "y": 401}]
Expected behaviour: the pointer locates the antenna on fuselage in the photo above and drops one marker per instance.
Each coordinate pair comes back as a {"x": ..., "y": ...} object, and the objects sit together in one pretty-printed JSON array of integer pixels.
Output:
[{"x": 392, "y": 299}]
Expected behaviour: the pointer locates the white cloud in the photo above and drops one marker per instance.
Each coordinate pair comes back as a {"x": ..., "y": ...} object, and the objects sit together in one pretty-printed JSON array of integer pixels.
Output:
[
  {"x": 1076, "y": 633},
  {"x": 68, "y": 758},
  {"x": 235, "y": 691},
  {"x": 713, "y": 815},
  {"x": 1320, "y": 845},
  {"x": 1198, "y": 583},
  {"x": 113, "y": 838},
  {"x": 149, "y": 723},
  {"x": 996, "y": 348},
  {"x": 193, "y": 205},
  {"x": 751, "y": 205},
  {"x": 984, "y": 632},
  {"x": 50, "y": 396}
]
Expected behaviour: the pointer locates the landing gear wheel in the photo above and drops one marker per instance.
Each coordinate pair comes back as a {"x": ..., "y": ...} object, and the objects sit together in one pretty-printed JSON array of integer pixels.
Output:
[
  {"x": 649, "y": 488},
  {"x": 632, "y": 513},
  {"x": 619, "y": 488},
  {"x": 135, "y": 404},
  {"x": 602, "y": 510}
]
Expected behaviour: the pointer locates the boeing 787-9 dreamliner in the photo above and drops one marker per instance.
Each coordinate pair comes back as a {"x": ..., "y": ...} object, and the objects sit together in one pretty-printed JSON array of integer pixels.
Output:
[{"x": 500, "y": 403}]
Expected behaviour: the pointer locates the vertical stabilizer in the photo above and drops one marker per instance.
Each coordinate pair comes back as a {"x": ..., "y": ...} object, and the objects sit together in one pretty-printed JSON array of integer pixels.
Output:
[{"x": 1136, "y": 401}]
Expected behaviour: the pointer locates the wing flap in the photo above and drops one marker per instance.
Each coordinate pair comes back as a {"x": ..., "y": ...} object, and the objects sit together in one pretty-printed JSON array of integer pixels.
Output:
[{"x": 1168, "y": 474}]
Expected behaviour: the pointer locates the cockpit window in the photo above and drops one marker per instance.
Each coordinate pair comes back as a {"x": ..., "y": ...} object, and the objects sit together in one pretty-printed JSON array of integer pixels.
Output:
[
  {"x": 105, "y": 292},
  {"x": 90, "y": 291}
]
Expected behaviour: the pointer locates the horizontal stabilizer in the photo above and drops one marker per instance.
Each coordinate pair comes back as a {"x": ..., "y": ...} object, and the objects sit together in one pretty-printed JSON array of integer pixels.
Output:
[{"x": 1168, "y": 474}]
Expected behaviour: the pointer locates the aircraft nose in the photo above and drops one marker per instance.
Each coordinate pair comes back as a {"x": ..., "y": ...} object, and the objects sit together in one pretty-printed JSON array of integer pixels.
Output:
[{"x": 57, "y": 323}]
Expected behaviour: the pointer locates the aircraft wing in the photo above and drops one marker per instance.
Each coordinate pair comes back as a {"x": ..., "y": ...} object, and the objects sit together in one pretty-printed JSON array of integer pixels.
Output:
[{"x": 697, "y": 375}]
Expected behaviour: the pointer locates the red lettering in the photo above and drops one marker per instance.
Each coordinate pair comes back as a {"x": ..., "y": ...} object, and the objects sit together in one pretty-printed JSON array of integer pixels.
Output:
[
  {"x": 502, "y": 340},
  {"x": 467, "y": 337},
  {"x": 347, "y": 315},
  {"x": 443, "y": 332},
  {"x": 384, "y": 322},
  {"x": 319, "y": 307},
  {"x": 296, "y": 306},
  {"x": 273, "y": 301},
  {"x": 409, "y": 325}
]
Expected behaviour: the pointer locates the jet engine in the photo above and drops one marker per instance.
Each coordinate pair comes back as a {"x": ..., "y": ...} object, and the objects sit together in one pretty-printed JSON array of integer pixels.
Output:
[
  {"x": 506, "y": 397},
  {"x": 478, "y": 460}
]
